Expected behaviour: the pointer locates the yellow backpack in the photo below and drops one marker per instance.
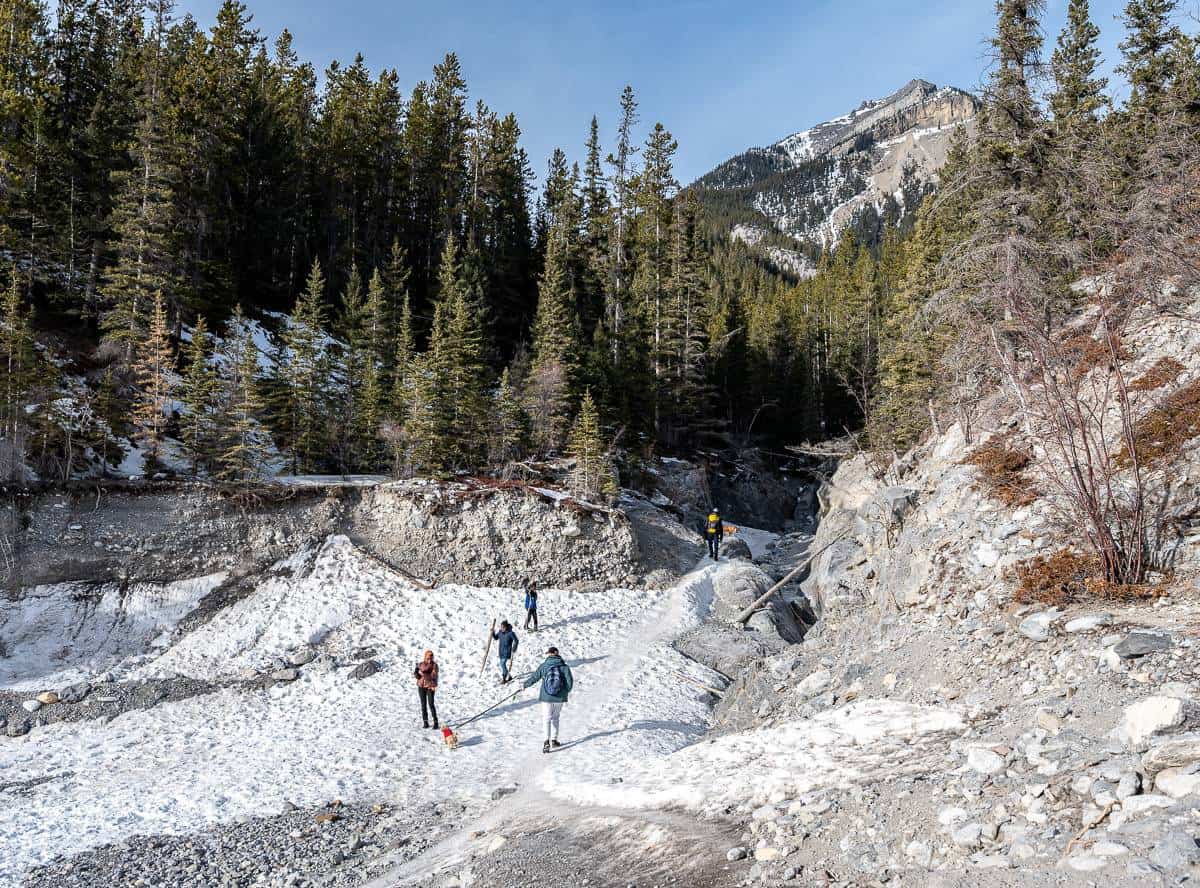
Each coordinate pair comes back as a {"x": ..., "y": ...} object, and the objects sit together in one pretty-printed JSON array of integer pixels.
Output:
[{"x": 714, "y": 523}]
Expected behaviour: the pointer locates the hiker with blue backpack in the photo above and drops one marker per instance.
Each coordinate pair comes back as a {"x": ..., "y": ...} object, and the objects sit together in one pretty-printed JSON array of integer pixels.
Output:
[{"x": 557, "y": 681}]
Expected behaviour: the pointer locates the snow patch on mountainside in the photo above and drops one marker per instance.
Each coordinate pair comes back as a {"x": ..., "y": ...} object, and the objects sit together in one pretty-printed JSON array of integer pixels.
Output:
[{"x": 790, "y": 261}]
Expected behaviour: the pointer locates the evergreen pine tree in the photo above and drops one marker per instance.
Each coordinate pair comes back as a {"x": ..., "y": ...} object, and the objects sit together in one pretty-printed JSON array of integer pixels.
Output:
[
  {"x": 110, "y": 411},
  {"x": 25, "y": 104},
  {"x": 1151, "y": 63},
  {"x": 594, "y": 212},
  {"x": 622, "y": 162},
  {"x": 911, "y": 339},
  {"x": 359, "y": 411},
  {"x": 153, "y": 372},
  {"x": 555, "y": 364},
  {"x": 308, "y": 374},
  {"x": 509, "y": 424},
  {"x": 20, "y": 365},
  {"x": 656, "y": 187},
  {"x": 378, "y": 353},
  {"x": 456, "y": 353},
  {"x": 143, "y": 218},
  {"x": 593, "y": 475},
  {"x": 395, "y": 282},
  {"x": 199, "y": 397},
  {"x": 1012, "y": 137},
  {"x": 380, "y": 320},
  {"x": 403, "y": 362},
  {"x": 683, "y": 343},
  {"x": 1078, "y": 95},
  {"x": 242, "y": 455},
  {"x": 1075, "y": 103},
  {"x": 428, "y": 446}
]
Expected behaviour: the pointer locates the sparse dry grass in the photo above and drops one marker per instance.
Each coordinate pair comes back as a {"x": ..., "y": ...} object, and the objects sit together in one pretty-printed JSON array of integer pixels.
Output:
[
  {"x": 1002, "y": 469},
  {"x": 1089, "y": 353},
  {"x": 1164, "y": 430},
  {"x": 1163, "y": 372},
  {"x": 1068, "y": 576}
]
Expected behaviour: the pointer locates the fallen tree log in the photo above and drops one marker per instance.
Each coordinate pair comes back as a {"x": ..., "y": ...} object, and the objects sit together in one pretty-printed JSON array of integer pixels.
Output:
[{"x": 745, "y": 615}]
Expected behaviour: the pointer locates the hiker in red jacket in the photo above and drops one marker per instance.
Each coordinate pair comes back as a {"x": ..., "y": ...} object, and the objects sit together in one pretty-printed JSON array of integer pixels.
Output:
[{"x": 426, "y": 675}]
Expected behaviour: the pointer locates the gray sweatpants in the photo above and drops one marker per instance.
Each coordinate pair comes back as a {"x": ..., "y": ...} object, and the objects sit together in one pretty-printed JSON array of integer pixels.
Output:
[{"x": 550, "y": 714}]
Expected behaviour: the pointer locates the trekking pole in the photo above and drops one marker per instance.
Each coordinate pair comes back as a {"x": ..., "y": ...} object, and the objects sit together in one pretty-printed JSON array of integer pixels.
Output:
[
  {"x": 486, "y": 711},
  {"x": 488, "y": 647}
]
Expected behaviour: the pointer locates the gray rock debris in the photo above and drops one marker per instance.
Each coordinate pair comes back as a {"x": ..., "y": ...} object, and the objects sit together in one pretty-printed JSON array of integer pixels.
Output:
[
  {"x": 1176, "y": 752},
  {"x": 302, "y": 657},
  {"x": 1036, "y": 627},
  {"x": 365, "y": 669},
  {"x": 1175, "y": 851},
  {"x": 1139, "y": 643}
]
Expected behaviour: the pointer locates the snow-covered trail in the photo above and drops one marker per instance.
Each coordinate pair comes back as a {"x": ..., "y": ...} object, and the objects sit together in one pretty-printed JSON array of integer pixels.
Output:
[
  {"x": 184, "y": 766},
  {"x": 640, "y": 710}
]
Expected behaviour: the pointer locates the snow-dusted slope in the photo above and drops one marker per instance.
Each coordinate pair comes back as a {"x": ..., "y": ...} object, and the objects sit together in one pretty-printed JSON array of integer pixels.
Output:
[
  {"x": 791, "y": 262},
  {"x": 810, "y": 184},
  {"x": 64, "y": 633},
  {"x": 187, "y": 765}
]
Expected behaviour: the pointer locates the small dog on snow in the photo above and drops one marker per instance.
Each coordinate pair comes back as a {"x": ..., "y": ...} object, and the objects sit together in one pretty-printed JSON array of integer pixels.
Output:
[{"x": 450, "y": 737}]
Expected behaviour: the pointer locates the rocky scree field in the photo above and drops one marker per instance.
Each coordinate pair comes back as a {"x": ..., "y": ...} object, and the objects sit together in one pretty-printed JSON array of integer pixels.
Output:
[{"x": 941, "y": 725}]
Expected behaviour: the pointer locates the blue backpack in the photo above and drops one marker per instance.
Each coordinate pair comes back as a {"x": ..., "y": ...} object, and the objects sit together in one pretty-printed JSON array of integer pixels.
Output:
[{"x": 554, "y": 684}]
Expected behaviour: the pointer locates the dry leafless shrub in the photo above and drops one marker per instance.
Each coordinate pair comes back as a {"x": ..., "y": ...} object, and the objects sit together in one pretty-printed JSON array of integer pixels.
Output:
[
  {"x": 1163, "y": 372},
  {"x": 1002, "y": 469},
  {"x": 1056, "y": 579}
]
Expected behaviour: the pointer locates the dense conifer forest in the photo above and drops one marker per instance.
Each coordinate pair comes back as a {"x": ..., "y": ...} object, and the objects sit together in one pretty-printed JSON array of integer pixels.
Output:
[{"x": 205, "y": 242}]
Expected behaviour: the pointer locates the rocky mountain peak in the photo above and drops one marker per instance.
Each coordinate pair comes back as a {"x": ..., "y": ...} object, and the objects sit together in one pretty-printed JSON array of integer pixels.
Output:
[{"x": 880, "y": 157}]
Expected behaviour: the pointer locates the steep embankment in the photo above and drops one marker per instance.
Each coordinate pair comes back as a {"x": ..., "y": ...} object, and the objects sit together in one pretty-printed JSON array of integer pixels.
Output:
[
  {"x": 436, "y": 532},
  {"x": 932, "y": 728}
]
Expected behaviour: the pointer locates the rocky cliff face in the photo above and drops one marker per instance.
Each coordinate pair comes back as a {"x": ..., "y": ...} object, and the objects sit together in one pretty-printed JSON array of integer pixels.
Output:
[
  {"x": 437, "y": 533},
  {"x": 883, "y": 155},
  {"x": 1078, "y": 750}
]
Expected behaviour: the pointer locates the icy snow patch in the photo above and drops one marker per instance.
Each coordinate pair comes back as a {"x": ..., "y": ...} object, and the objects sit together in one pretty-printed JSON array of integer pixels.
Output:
[
  {"x": 184, "y": 766},
  {"x": 60, "y": 634},
  {"x": 861, "y": 742},
  {"x": 757, "y": 540}
]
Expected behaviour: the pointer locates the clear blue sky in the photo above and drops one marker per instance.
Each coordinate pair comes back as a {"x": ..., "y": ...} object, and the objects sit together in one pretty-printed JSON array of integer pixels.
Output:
[{"x": 721, "y": 76}]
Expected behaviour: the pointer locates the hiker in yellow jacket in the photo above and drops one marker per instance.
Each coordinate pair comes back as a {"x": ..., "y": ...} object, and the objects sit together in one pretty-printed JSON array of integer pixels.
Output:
[{"x": 714, "y": 532}]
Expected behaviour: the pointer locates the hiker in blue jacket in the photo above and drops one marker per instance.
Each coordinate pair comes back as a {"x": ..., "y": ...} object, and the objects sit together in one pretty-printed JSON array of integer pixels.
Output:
[
  {"x": 557, "y": 681},
  {"x": 508, "y": 647},
  {"x": 531, "y": 596}
]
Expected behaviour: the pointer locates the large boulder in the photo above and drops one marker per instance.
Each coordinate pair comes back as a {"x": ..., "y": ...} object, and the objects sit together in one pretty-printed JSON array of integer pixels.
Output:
[
  {"x": 736, "y": 548},
  {"x": 1177, "y": 752},
  {"x": 1147, "y": 718},
  {"x": 737, "y": 585},
  {"x": 831, "y": 576}
]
